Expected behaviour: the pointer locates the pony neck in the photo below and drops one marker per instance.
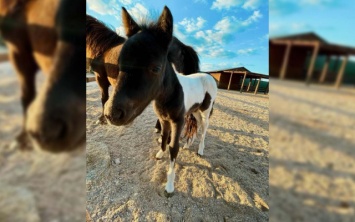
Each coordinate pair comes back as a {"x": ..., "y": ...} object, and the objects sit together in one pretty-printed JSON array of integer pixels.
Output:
[{"x": 170, "y": 86}]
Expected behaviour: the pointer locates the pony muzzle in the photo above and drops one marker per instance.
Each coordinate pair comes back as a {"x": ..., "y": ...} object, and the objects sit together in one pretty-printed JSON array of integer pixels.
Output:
[
  {"x": 115, "y": 116},
  {"x": 53, "y": 133},
  {"x": 56, "y": 128}
]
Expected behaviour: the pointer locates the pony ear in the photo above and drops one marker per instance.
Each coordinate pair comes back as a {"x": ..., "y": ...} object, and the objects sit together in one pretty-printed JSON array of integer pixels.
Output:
[
  {"x": 129, "y": 24},
  {"x": 165, "y": 24}
]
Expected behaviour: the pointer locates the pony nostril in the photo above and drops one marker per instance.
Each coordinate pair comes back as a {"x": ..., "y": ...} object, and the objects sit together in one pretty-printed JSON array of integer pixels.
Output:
[
  {"x": 62, "y": 131},
  {"x": 115, "y": 115},
  {"x": 57, "y": 129},
  {"x": 119, "y": 114}
]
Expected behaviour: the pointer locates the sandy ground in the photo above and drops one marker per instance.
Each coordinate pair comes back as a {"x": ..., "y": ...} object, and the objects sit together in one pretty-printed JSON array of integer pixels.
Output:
[
  {"x": 230, "y": 183},
  {"x": 312, "y": 152},
  {"x": 35, "y": 186}
]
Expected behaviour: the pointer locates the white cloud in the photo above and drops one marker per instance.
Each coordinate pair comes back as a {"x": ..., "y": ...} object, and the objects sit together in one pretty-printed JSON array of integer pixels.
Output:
[
  {"x": 138, "y": 12},
  {"x": 246, "y": 51},
  {"x": 126, "y": 2},
  {"x": 99, "y": 7},
  {"x": 220, "y": 30},
  {"x": 180, "y": 35},
  {"x": 251, "y": 4},
  {"x": 227, "y": 24},
  {"x": 224, "y": 29},
  {"x": 113, "y": 8},
  {"x": 253, "y": 18},
  {"x": 214, "y": 50},
  {"x": 225, "y": 4},
  {"x": 105, "y": 8},
  {"x": 192, "y": 25},
  {"x": 121, "y": 31}
]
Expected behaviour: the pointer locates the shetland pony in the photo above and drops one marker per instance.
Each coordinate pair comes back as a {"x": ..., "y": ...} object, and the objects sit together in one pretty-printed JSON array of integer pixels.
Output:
[
  {"x": 48, "y": 35},
  {"x": 145, "y": 75},
  {"x": 104, "y": 47}
]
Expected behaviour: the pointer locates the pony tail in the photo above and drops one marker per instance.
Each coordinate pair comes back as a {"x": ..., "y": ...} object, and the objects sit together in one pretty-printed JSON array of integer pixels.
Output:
[{"x": 190, "y": 127}]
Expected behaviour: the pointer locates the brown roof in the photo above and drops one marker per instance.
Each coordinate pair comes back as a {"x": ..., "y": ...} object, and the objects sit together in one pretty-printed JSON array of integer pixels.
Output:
[
  {"x": 241, "y": 69},
  {"x": 310, "y": 38}
]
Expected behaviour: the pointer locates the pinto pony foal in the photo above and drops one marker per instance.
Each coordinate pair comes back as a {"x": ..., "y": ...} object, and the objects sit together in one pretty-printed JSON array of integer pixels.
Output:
[{"x": 146, "y": 75}]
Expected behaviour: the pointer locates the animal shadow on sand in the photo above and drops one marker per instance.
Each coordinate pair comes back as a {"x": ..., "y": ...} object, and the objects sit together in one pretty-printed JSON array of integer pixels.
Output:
[{"x": 230, "y": 182}]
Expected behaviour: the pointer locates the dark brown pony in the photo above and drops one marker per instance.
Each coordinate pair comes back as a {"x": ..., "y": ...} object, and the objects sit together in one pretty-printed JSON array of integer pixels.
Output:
[
  {"x": 103, "y": 47},
  {"x": 49, "y": 36},
  {"x": 146, "y": 75}
]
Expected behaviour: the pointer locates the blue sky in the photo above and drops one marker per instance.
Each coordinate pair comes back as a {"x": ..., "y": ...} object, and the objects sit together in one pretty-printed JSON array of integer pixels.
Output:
[
  {"x": 225, "y": 33},
  {"x": 331, "y": 19}
]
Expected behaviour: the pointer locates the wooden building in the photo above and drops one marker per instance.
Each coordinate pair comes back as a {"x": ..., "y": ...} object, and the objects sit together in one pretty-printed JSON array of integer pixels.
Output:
[
  {"x": 241, "y": 79},
  {"x": 294, "y": 57}
]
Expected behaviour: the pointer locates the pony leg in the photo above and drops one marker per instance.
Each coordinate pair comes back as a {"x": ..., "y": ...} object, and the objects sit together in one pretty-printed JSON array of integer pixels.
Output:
[
  {"x": 26, "y": 69},
  {"x": 174, "y": 150},
  {"x": 157, "y": 127},
  {"x": 103, "y": 84},
  {"x": 164, "y": 139},
  {"x": 204, "y": 126}
]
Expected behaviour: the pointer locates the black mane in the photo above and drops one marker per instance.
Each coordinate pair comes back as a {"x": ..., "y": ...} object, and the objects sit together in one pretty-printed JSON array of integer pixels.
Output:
[
  {"x": 99, "y": 37},
  {"x": 187, "y": 62}
]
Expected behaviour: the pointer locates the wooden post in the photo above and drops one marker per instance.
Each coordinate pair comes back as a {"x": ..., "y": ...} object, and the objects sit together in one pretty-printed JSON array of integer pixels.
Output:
[
  {"x": 249, "y": 84},
  {"x": 285, "y": 62},
  {"x": 324, "y": 70},
  {"x": 341, "y": 72},
  {"x": 257, "y": 86},
  {"x": 311, "y": 65},
  {"x": 267, "y": 88},
  {"x": 241, "y": 87},
  {"x": 230, "y": 81}
]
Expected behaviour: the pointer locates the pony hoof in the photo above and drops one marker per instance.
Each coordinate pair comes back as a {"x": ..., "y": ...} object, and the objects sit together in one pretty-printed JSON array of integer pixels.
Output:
[
  {"x": 159, "y": 155},
  {"x": 168, "y": 195},
  {"x": 199, "y": 155},
  {"x": 22, "y": 142},
  {"x": 157, "y": 130},
  {"x": 16, "y": 145},
  {"x": 101, "y": 121}
]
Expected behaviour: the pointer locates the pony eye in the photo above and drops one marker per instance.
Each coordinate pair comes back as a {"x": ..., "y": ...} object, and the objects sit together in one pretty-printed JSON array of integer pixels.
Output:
[{"x": 156, "y": 69}]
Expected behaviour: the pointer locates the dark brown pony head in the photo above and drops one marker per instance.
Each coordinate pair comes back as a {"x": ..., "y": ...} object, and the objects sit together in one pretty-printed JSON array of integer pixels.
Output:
[
  {"x": 142, "y": 67},
  {"x": 56, "y": 119}
]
